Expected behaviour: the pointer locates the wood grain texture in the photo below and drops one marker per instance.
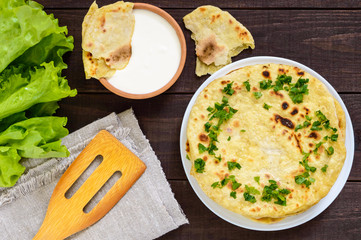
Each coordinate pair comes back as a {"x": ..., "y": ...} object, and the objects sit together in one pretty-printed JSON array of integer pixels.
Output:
[
  {"x": 160, "y": 119},
  {"x": 326, "y": 41},
  {"x": 64, "y": 216},
  {"x": 284, "y": 4},
  {"x": 341, "y": 220}
]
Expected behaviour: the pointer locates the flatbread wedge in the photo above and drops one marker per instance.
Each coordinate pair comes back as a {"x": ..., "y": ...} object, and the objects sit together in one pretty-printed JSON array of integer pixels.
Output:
[
  {"x": 218, "y": 36},
  {"x": 107, "y": 34},
  {"x": 286, "y": 133}
]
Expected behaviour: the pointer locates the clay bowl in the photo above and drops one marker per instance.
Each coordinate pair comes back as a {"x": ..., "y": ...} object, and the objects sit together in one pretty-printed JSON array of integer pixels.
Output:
[{"x": 182, "y": 41}]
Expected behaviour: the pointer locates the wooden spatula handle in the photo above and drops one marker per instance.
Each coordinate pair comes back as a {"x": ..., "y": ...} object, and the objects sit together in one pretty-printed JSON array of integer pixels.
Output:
[{"x": 66, "y": 216}]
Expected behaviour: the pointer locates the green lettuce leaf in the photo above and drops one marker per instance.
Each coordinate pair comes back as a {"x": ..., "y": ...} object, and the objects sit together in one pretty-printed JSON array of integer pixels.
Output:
[
  {"x": 20, "y": 90},
  {"x": 10, "y": 168},
  {"x": 37, "y": 137},
  {"x": 22, "y": 25}
]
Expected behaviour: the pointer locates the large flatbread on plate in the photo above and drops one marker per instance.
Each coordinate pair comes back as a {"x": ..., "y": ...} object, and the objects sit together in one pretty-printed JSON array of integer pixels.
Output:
[
  {"x": 218, "y": 36},
  {"x": 288, "y": 149},
  {"x": 107, "y": 33}
]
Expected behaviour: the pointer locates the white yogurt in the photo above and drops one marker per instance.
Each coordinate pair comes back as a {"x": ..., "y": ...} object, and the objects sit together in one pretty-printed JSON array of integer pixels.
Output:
[{"x": 156, "y": 54}]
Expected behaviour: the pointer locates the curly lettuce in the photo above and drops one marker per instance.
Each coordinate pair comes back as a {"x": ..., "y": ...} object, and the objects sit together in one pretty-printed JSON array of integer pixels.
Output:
[{"x": 32, "y": 45}]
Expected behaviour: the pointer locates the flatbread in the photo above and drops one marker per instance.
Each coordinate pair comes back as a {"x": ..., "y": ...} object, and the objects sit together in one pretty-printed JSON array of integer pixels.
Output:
[
  {"x": 107, "y": 33},
  {"x": 218, "y": 36},
  {"x": 269, "y": 146}
]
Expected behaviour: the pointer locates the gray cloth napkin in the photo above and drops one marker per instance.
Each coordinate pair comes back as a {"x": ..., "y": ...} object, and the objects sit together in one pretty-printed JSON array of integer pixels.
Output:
[{"x": 147, "y": 211}]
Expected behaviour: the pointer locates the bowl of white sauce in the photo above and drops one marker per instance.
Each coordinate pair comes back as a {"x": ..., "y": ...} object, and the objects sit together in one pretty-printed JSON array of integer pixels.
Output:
[{"x": 158, "y": 55}]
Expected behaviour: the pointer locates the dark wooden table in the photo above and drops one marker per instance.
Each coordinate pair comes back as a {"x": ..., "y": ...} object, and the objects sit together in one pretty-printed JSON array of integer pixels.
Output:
[{"x": 324, "y": 35}]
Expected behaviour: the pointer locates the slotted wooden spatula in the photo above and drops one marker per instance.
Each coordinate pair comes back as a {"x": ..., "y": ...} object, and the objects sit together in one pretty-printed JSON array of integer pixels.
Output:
[{"x": 64, "y": 216}]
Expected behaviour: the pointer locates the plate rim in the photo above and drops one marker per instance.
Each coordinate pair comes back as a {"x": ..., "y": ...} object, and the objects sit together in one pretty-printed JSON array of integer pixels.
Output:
[{"x": 297, "y": 219}]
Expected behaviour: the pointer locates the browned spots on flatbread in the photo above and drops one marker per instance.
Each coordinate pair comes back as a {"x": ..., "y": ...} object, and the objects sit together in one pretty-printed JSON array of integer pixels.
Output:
[
  {"x": 203, "y": 137},
  {"x": 284, "y": 131},
  {"x": 313, "y": 135},
  {"x": 104, "y": 30},
  {"x": 267, "y": 175},
  {"x": 284, "y": 105},
  {"x": 121, "y": 54},
  {"x": 294, "y": 111},
  {"x": 290, "y": 137},
  {"x": 266, "y": 74},
  {"x": 213, "y": 18},
  {"x": 254, "y": 89},
  {"x": 89, "y": 45},
  {"x": 290, "y": 196},
  {"x": 218, "y": 16},
  {"x": 275, "y": 208},
  {"x": 237, "y": 28},
  {"x": 102, "y": 21},
  {"x": 202, "y": 9},
  {"x": 230, "y": 21},
  {"x": 202, "y": 116},
  {"x": 307, "y": 110},
  {"x": 205, "y": 96},
  {"x": 300, "y": 73},
  {"x": 298, "y": 143},
  {"x": 302, "y": 115},
  {"x": 207, "y": 50},
  {"x": 195, "y": 119},
  {"x": 205, "y": 158},
  {"x": 281, "y": 70},
  {"x": 236, "y": 123},
  {"x": 107, "y": 60},
  {"x": 284, "y": 121},
  {"x": 223, "y": 82},
  {"x": 187, "y": 146},
  {"x": 310, "y": 144},
  {"x": 276, "y": 93}
]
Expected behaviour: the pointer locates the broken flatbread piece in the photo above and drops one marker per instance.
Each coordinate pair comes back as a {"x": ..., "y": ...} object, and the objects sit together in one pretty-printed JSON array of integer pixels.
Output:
[
  {"x": 218, "y": 36},
  {"x": 107, "y": 33}
]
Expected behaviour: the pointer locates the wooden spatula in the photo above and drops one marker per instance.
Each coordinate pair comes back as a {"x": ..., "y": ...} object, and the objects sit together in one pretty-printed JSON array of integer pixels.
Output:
[{"x": 64, "y": 216}]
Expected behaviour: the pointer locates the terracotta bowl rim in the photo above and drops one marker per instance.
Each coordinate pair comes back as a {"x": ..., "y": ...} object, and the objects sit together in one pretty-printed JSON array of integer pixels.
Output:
[{"x": 182, "y": 42}]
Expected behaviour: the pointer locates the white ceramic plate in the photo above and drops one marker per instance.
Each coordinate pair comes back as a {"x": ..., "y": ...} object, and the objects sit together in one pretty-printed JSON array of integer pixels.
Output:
[{"x": 291, "y": 221}]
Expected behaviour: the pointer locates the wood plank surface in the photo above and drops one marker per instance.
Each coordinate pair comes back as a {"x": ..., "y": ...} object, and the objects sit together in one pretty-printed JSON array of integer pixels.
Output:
[
  {"x": 326, "y": 41},
  {"x": 247, "y": 4},
  {"x": 340, "y": 221},
  {"x": 160, "y": 119}
]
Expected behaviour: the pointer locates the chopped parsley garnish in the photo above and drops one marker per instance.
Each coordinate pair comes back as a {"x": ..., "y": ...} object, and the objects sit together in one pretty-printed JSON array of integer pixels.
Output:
[
  {"x": 298, "y": 90},
  {"x": 257, "y": 95},
  {"x": 272, "y": 192},
  {"x": 281, "y": 80},
  {"x": 330, "y": 151},
  {"x": 318, "y": 145},
  {"x": 321, "y": 116},
  {"x": 207, "y": 126},
  {"x": 252, "y": 190},
  {"x": 223, "y": 112},
  {"x": 229, "y": 138},
  {"x": 199, "y": 165},
  {"x": 334, "y": 137},
  {"x": 247, "y": 85},
  {"x": 243, "y": 130},
  {"x": 233, "y": 165},
  {"x": 248, "y": 194},
  {"x": 304, "y": 125},
  {"x": 221, "y": 184},
  {"x": 316, "y": 126},
  {"x": 324, "y": 168},
  {"x": 248, "y": 197},
  {"x": 233, "y": 194},
  {"x": 257, "y": 179},
  {"x": 188, "y": 157},
  {"x": 228, "y": 89},
  {"x": 202, "y": 148},
  {"x": 265, "y": 84},
  {"x": 304, "y": 179},
  {"x": 308, "y": 118},
  {"x": 219, "y": 158},
  {"x": 266, "y": 106}
]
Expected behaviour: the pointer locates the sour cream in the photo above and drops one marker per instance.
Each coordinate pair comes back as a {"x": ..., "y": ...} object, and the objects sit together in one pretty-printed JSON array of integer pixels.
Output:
[{"x": 156, "y": 54}]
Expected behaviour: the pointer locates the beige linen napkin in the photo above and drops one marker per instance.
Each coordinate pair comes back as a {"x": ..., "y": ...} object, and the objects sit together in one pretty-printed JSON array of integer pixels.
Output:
[{"x": 147, "y": 211}]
